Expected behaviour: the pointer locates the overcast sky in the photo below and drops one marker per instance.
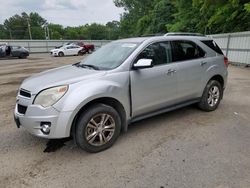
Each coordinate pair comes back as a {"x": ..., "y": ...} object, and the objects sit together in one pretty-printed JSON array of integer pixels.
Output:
[{"x": 64, "y": 12}]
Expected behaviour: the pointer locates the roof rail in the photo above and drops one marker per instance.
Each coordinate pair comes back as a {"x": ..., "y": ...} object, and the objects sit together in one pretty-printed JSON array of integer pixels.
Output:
[
  {"x": 184, "y": 34},
  {"x": 153, "y": 35}
]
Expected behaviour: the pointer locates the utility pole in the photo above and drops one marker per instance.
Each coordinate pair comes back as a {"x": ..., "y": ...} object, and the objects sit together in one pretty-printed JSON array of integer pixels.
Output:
[
  {"x": 29, "y": 28},
  {"x": 10, "y": 34},
  {"x": 46, "y": 30}
]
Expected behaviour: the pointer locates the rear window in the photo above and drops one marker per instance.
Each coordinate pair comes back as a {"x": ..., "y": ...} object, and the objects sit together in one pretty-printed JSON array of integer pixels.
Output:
[
  {"x": 186, "y": 50},
  {"x": 211, "y": 44}
]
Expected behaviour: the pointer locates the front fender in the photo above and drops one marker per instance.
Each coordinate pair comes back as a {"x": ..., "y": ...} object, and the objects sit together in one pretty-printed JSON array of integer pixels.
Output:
[
  {"x": 80, "y": 94},
  {"x": 114, "y": 85}
]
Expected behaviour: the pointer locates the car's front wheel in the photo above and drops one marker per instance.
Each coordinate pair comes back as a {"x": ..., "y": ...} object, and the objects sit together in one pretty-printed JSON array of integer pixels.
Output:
[
  {"x": 60, "y": 54},
  {"x": 211, "y": 97},
  {"x": 98, "y": 128}
]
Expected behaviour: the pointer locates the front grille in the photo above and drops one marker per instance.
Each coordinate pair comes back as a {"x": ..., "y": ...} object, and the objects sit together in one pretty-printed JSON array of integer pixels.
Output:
[
  {"x": 21, "y": 109},
  {"x": 25, "y": 93}
]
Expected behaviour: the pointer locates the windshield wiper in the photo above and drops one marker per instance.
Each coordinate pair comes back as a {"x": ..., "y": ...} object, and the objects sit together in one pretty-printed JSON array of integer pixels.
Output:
[
  {"x": 90, "y": 66},
  {"x": 76, "y": 64},
  {"x": 86, "y": 65}
]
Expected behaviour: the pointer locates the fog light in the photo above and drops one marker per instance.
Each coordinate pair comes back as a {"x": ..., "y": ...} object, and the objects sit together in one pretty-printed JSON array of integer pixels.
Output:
[{"x": 45, "y": 127}]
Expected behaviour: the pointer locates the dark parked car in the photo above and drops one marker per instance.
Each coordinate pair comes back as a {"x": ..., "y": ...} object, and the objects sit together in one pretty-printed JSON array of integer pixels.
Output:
[{"x": 13, "y": 51}]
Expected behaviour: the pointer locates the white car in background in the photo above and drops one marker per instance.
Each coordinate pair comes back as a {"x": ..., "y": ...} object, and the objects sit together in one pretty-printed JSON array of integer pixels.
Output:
[{"x": 71, "y": 49}]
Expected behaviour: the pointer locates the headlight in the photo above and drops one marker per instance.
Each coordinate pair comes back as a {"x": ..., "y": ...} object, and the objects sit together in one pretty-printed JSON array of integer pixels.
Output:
[{"x": 50, "y": 96}]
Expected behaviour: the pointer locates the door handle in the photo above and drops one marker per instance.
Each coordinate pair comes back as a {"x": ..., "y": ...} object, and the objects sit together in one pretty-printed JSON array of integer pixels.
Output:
[
  {"x": 203, "y": 63},
  {"x": 171, "y": 71}
]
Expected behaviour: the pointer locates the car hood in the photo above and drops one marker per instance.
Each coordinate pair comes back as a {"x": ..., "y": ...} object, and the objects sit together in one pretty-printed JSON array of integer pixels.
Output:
[
  {"x": 59, "y": 76},
  {"x": 56, "y": 49}
]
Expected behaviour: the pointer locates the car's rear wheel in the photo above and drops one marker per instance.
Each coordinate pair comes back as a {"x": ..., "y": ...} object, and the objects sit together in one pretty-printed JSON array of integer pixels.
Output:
[
  {"x": 60, "y": 54},
  {"x": 80, "y": 53},
  {"x": 98, "y": 128},
  {"x": 22, "y": 56},
  {"x": 212, "y": 96}
]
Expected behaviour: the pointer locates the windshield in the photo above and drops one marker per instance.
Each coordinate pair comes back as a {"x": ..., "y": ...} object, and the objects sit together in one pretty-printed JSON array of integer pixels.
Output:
[{"x": 111, "y": 55}]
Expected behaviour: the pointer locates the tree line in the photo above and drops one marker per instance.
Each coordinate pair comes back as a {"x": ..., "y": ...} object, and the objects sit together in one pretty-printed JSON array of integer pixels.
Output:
[
  {"x": 141, "y": 17},
  {"x": 26, "y": 26},
  {"x": 204, "y": 16}
]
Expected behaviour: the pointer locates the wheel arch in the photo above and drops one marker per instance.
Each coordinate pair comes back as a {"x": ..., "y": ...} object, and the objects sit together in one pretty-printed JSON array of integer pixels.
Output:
[
  {"x": 61, "y": 53},
  {"x": 107, "y": 101},
  {"x": 218, "y": 78}
]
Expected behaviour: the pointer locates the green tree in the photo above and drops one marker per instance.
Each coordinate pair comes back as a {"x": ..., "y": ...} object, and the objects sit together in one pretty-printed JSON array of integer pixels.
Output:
[
  {"x": 186, "y": 17},
  {"x": 56, "y": 31},
  {"x": 145, "y": 17},
  {"x": 132, "y": 20},
  {"x": 113, "y": 29},
  {"x": 230, "y": 17},
  {"x": 162, "y": 15},
  {"x": 97, "y": 31},
  {"x": 70, "y": 33},
  {"x": 17, "y": 25},
  {"x": 247, "y": 7},
  {"x": 4, "y": 34},
  {"x": 83, "y": 32}
]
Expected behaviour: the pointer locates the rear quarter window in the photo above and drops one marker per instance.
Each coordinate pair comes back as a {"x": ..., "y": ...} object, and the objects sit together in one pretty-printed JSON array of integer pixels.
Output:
[{"x": 211, "y": 44}]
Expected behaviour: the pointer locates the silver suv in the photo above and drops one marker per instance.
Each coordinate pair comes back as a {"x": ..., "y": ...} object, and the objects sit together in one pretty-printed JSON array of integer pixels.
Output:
[{"x": 123, "y": 82}]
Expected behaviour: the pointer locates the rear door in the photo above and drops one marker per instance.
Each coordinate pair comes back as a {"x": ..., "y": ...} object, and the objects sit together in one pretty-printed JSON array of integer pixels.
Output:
[
  {"x": 154, "y": 88},
  {"x": 191, "y": 66}
]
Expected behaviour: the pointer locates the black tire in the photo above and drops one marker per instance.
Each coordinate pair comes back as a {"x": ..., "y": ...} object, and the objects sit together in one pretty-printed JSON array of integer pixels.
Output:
[
  {"x": 60, "y": 54},
  {"x": 206, "y": 103},
  {"x": 22, "y": 56},
  {"x": 79, "y": 53},
  {"x": 82, "y": 130}
]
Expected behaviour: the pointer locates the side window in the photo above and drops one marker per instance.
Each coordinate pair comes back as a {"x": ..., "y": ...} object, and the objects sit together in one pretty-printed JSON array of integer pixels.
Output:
[
  {"x": 159, "y": 52},
  {"x": 186, "y": 50}
]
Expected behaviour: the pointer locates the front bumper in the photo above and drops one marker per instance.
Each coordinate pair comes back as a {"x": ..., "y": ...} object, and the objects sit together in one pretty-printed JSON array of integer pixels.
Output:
[
  {"x": 54, "y": 54},
  {"x": 35, "y": 115}
]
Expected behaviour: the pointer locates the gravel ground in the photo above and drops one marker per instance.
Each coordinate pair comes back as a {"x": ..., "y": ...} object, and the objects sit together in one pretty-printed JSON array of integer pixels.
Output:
[{"x": 186, "y": 148}]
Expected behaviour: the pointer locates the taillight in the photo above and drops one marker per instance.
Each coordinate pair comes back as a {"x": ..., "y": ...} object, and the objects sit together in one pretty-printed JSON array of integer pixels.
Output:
[{"x": 226, "y": 62}]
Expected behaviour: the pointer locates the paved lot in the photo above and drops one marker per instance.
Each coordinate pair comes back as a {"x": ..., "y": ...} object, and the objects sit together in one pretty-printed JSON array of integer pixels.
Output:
[{"x": 186, "y": 148}]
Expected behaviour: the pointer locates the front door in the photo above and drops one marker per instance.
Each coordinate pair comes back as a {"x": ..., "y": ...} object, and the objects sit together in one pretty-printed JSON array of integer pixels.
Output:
[
  {"x": 70, "y": 50},
  {"x": 154, "y": 88}
]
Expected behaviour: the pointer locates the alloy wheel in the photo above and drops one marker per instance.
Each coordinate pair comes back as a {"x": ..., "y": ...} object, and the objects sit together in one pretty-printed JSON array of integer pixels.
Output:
[
  {"x": 100, "y": 129},
  {"x": 213, "y": 96}
]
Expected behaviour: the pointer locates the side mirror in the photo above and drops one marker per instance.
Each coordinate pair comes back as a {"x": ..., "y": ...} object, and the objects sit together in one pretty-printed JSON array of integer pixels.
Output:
[{"x": 143, "y": 63}]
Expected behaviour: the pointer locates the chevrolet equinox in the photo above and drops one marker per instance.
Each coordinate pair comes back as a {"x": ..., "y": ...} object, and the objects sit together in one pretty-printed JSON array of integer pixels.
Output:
[{"x": 124, "y": 81}]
